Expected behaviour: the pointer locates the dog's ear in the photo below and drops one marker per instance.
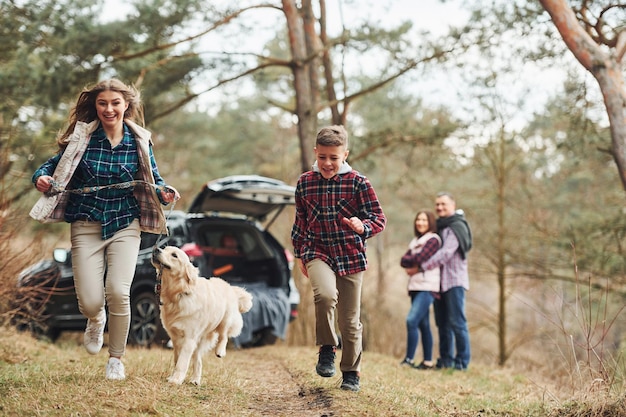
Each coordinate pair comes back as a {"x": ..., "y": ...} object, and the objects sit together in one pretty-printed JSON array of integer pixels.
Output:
[{"x": 191, "y": 272}]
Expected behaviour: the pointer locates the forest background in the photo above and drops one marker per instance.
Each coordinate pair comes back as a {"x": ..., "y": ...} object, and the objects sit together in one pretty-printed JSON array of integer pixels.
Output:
[{"x": 492, "y": 107}]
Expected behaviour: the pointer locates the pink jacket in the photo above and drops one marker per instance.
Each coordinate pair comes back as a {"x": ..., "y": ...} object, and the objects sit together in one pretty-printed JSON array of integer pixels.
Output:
[{"x": 427, "y": 280}]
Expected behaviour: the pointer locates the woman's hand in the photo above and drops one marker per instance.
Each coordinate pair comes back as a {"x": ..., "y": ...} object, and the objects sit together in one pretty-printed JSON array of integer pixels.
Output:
[
  {"x": 412, "y": 270},
  {"x": 355, "y": 224},
  {"x": 44, "y": 183},
  {"x": 170, "y": 194}
]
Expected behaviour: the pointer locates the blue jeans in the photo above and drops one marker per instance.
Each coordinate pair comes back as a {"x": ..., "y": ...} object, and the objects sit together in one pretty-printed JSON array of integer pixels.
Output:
[
  {"x": 418, "y": 321},
  {"x": 453, "y": 331}
]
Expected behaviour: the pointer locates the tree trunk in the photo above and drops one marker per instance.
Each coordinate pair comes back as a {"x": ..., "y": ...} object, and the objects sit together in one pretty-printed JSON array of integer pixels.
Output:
[
  {"x": 606, "y": 69},
  {"x": 313, "y": 47},
  {"x": 501, "y": 178},
  {"x": 328, "y": 69},
  {"x": 302, "y": 83}
]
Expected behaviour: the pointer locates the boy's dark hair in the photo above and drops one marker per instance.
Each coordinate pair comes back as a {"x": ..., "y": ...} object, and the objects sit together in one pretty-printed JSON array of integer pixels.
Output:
[{"x": 335, "y": 135}]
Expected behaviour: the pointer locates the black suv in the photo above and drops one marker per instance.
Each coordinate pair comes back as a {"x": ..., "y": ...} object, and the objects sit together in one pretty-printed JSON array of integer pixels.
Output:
[{"x": 232, "y": 211}]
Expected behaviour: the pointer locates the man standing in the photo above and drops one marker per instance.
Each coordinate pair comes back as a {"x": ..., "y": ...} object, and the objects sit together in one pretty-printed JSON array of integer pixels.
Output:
[{"x": 450, "y": 305}]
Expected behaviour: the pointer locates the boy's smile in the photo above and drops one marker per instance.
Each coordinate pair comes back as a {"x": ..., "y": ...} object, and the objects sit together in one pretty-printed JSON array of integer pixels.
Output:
[{"x": 329, "y": 159}]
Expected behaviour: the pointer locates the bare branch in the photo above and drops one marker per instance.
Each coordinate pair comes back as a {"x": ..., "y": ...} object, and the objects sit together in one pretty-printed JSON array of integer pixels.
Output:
[
  {"x": 225, "y": 20},
  {"x": 620, "y": 46},
  {"x": 608, "y": 41},
  {"x": 160, "y": 63},
  {"x": 193, "y": 96},
  {"x": 408, "y": 67},
  {"x": 387, "y": 142}
]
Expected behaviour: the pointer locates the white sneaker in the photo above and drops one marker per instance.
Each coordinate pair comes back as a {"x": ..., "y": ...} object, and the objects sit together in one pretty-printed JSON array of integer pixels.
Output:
[
  {"x": 94, "y": 333},
  {"x": 115, "y": 369}
]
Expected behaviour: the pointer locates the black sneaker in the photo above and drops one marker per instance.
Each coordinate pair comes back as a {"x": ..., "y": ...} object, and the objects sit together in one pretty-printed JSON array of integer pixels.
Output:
[
  {"x": 407, "y": 362},
  {"x": 350, "y": 381},
  {"x": 326, "y": 361},
  {"x": 423, "y": 366},
  {"x": 441, "y": 366}
]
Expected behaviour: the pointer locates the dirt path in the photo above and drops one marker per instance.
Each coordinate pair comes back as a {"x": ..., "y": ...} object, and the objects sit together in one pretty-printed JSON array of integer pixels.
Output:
[{"x": 282, "y": 394}]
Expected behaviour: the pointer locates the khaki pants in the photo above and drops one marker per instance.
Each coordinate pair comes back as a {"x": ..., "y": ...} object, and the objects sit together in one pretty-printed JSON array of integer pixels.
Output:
[
  {"x": 332, "y": 292},
  {"x": 116, "y": 257}
]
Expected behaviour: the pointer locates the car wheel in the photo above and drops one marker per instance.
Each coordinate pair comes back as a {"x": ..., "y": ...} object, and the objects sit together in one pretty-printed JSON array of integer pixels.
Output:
[
  {"x": 145, "y": 324},
  {"x": 263, "y": 337},
  {"x": 29, "y": 318},
  {"x": 39, "y": 330}
]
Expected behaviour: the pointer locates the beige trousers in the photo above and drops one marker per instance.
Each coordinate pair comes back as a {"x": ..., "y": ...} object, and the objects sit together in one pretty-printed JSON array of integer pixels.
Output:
[
  {"x": 330, "y": 293},
  {"x": 104, "y": 271}
]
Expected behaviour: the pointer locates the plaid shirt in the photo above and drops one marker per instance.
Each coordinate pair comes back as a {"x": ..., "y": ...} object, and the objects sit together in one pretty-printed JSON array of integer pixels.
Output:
[
  {"x": 412, "y": 259},
  {"x": 101, "y": 165},
  {"x": 321, "y": 205},
  {"x": 453, "y": 266}
]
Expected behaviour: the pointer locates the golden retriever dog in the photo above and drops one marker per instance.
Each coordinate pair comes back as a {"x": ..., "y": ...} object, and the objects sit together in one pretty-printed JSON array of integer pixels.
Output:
[{"x": 197, "y": 313}]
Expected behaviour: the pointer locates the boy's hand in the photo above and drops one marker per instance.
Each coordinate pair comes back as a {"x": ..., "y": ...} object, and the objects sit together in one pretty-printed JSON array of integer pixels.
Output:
[{"x": 355, "y": 224}]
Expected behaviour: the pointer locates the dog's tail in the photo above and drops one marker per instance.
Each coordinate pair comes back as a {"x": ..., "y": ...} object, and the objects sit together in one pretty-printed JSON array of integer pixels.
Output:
[{"x": 245, "y": 299}]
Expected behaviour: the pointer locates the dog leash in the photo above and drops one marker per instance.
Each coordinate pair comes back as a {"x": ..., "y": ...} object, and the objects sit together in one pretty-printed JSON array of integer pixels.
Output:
[
  {"x": 56, "y": 188},
  {"x": 157, "y": 284}
]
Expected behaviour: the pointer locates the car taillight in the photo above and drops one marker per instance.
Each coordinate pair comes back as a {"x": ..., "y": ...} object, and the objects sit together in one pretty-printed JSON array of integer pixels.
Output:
[
  {"x": 294, "y": 313},
  {"x": 192, "y": 250},
  {"x": 290, "y": 258}
]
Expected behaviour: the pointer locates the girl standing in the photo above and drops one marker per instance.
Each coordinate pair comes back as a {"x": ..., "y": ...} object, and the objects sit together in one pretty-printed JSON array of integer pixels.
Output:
[{"x": 421, "y": 286}]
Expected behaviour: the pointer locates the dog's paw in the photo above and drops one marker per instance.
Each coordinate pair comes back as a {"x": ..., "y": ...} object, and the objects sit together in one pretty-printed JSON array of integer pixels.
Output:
[
  {"x": 220, "y": 354},
  {"x": 175, "y": 380},
  {"x": 195, "y": 381}
]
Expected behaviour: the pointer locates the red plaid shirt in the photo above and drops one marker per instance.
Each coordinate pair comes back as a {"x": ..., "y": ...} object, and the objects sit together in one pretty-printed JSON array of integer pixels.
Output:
[{"x": 318, "y": 231}]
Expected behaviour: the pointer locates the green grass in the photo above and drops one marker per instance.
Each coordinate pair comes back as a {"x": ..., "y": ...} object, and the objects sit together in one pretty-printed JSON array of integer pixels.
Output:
[{"x": 41, "y": 379}]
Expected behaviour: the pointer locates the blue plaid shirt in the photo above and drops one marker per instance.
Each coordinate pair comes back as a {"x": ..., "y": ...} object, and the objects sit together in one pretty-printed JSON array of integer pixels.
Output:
[{"x": 102, "y": 165}]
